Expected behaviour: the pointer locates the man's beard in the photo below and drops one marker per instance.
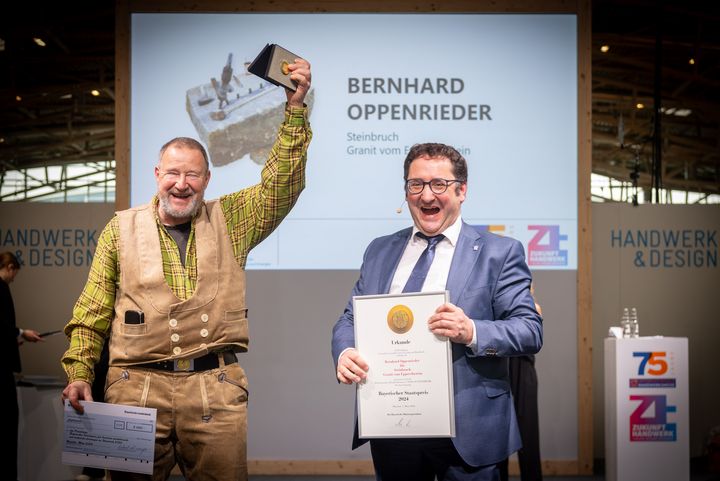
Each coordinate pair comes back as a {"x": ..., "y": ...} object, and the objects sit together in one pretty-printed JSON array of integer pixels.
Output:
[{"x": 180, "y": 214}]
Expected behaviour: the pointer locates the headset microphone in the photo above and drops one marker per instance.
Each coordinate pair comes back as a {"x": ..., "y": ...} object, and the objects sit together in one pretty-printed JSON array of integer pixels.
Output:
[{"x": 399, "y": 209}]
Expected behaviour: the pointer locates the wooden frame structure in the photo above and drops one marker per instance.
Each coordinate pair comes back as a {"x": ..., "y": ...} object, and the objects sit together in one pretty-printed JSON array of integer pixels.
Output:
[{"x": 581, "y": 8}]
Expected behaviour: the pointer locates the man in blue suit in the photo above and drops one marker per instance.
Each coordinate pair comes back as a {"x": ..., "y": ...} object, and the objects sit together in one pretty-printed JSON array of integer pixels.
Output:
[{"x": 490, "y": 317}]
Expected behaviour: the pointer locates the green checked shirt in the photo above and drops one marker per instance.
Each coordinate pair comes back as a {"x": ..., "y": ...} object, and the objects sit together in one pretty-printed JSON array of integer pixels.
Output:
[{"x": 251, "y": 215}]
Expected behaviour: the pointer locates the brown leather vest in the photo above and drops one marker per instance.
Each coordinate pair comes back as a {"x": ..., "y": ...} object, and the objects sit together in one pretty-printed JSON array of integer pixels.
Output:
[{"x": 213, "y": 318}]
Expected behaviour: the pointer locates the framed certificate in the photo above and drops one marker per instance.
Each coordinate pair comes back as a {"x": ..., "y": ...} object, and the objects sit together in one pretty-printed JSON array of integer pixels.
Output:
[{"x": 409, "y": 388}]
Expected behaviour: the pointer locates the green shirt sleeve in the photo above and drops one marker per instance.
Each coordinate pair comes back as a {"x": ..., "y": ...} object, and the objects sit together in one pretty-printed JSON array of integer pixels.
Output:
[
  {"x": 94, "y": 309},
  {"x": 253, "y": 213}
]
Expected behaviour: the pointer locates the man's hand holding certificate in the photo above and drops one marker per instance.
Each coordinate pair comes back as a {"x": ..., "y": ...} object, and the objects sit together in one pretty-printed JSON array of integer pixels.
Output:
[
  {"x": 408, "y": 390},
  {"x": 111, "y": 436}
]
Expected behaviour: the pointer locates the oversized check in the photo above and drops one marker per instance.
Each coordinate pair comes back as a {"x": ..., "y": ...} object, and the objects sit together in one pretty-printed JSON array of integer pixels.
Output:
[
  {"x": 111, "y": 436},
  {"x": 409, "y": 387}
]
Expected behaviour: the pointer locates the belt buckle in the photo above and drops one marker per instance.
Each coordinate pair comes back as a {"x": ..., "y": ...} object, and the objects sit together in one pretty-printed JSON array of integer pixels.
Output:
[{"x": 183, "y": 365}]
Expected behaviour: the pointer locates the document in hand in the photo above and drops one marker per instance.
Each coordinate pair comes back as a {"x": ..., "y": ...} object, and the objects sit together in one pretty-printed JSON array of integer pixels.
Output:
[
  {"x": 409, "y": 388},
  {"x": 112, "y": 436},
  {"x": 51, "y": 333}
]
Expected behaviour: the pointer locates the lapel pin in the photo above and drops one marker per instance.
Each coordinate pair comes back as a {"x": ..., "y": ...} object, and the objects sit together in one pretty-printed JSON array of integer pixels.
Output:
[{"x": 475, "y": 247}]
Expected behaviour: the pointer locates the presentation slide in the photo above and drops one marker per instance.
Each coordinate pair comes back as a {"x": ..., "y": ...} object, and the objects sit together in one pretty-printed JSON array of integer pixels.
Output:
[{"x": 501, "y": 88}]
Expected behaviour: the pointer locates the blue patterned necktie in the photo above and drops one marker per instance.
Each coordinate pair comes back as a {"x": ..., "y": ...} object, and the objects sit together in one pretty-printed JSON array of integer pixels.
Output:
[{"x": 420, "y": 271}]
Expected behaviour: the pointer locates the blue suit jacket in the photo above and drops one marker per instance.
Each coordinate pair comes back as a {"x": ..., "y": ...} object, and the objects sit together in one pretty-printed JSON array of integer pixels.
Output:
[{"x": 490, "y": 281}]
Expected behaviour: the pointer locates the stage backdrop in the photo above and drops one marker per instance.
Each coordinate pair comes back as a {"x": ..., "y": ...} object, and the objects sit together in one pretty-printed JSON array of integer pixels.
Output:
[{"x": 663, "y": 260}]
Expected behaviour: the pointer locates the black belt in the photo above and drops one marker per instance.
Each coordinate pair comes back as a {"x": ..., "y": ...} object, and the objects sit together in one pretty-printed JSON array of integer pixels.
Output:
[{"x": 203, "y": 363}]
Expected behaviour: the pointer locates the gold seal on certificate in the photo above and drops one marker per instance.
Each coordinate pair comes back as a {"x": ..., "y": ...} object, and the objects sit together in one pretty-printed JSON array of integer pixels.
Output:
[{"x": 400, "y": 319}]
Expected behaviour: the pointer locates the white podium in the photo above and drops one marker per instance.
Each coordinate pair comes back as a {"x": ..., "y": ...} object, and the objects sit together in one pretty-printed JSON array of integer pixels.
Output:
[{"x": 646, "y": 409}]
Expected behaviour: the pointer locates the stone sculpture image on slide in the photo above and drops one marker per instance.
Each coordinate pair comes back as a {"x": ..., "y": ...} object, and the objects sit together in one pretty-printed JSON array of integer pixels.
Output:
[{"x": 238, "y": 115}]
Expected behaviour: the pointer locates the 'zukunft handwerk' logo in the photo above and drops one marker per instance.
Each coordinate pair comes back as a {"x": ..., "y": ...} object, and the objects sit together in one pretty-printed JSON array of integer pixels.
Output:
[
  {"x": 648, "y": 422},
  {"x": 544, "y": 247}
]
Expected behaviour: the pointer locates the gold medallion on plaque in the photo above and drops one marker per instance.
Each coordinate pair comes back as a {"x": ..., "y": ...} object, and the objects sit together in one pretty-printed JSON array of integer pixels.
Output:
[
  {"x": 284, "y": 67},
  {"x": 400, "y": 319}
]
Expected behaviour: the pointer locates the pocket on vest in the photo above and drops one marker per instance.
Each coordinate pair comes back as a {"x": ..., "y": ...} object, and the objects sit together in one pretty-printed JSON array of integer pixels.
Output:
[
  {"x": 133, "y": 329},
  {"x": 235, "y": 326}
]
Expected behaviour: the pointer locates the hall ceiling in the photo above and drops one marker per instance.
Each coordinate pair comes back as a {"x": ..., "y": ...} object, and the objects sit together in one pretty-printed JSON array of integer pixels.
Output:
[
  {"x": 49, "y": 117},
  {"x": 688, "y": 85}
]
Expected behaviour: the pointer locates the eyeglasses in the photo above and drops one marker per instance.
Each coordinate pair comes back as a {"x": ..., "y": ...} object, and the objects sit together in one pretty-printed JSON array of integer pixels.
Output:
[
  {"x": 437, "y": 186},
  {"x": 174, "y": 176}
]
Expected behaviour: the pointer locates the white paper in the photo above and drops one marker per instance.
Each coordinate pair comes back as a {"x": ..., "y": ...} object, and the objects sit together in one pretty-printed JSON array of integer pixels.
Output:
[
  {"x": 408, "y": 391},
  {"x": 111, "y": 436}
]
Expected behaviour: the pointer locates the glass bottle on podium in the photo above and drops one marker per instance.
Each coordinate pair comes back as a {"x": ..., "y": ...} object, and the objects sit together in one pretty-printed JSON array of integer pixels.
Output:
[
  {"x": 625, "y": 323},
  {"x": 634, "y": 326}
]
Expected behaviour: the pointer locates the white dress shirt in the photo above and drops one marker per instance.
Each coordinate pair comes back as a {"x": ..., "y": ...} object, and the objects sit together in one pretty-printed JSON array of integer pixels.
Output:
[{"x": 436, "y": 279}]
